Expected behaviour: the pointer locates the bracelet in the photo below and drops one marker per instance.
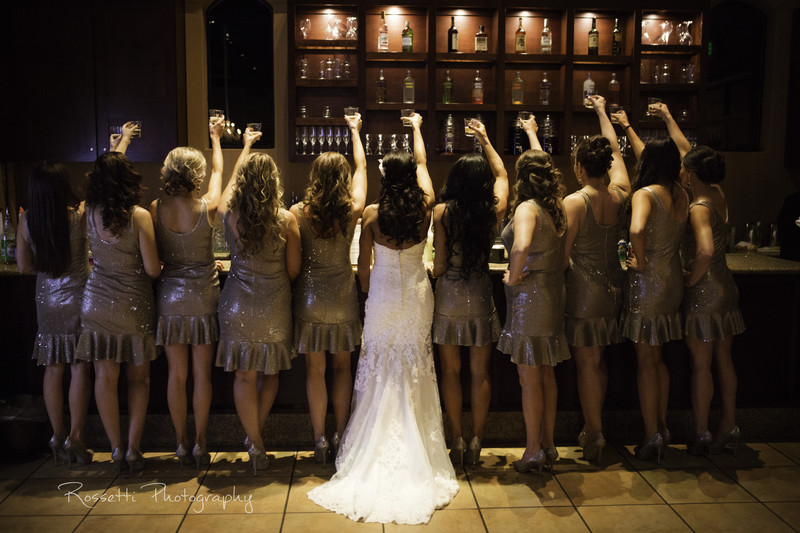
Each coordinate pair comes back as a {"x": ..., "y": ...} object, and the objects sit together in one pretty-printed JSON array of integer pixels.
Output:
[{"x": 626, "y": 127}]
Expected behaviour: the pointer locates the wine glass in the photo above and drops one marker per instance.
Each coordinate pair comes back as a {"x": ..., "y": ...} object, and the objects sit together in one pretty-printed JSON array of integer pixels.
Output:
[
  {"x": 645, "y": 36},
  {"x": 297, "y": 140},
  {"x": 305, "y": 25},
  {"x": 338, "y": 137},
  {"x": 332, "y": 28},
  {"x": 346, "y": 139},
  {"x": 352, "y": 28},
  {"x": 304, "y": 139},
  {"x": 393, "y": 142},
  {"x": 666, "y": 29},
  {"x": 313, "y": 135},
  {"x": 367, "y": 145},
  {"x": 684, "y": 36},
  {"x": 407, "y": 143},
  {"x": 329, "y": 137}
]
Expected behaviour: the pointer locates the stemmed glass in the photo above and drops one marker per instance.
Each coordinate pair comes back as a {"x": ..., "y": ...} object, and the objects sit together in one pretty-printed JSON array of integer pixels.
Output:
[
  {"x": 393, "y": 142},
  {"x": 333, "y": 27},
  {"x": 645, "y": 36},
  {"x": 329, "y": 136},
  {"x": 367, "y": 145},
  {"x": 684, "y": 36},
  {"x": 406, "y": 143},
  {"x": 304, "y": 139},
  {"x": 313, "y": 139},
  {"x": 379, "y": 149},
  {"x": 352, "y": 28},
  {"x": 305, "y": 25},
  {"x": 338, "y": 136},
  {"x": 666, "y": 29},
  {"x": 297, "y": 140},
  {"x": 346, "y": 139}
]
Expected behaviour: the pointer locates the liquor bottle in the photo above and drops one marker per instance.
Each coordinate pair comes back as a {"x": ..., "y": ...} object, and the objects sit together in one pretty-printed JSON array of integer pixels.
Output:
[
  {"x": 594, "y": 39},
  {"x": 447, "y": 93},
  {"x": 408, "y": 89},
  {"x": 452, "y": 36},
  {"x": 449, "y": 134},
  {"x": 380, "y": 88},
  {"x": 408, "y": 39},
  {"x": 477, "y": 89},
  {"x": 616, "y": 42},
  {"x": 481, "y": 40},
  {"x": 9, "y": 242},
  {"x": 613, "y": 90},
  {"x": 520, "y": 39},
  {"x": 589, "y": 89},
  {"x": 516, "y": 90},
  {"x": 548, "y": 135},
  {"x": 383, "y": 34},
  {"x": 544, "y": 90},
  {"x": 547, "y": 39}
]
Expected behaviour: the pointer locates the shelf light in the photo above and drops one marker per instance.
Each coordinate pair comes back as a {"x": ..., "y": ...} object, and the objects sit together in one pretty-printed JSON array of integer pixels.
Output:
[{"x": 394, "y": 10}]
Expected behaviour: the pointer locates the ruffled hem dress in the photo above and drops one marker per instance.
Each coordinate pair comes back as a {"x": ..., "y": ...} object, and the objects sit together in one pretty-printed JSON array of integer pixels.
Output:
[
  {"x": 118, "y": 311},
  {"x": 187, "y": 294},
  {"x": 534, "y": 330}
]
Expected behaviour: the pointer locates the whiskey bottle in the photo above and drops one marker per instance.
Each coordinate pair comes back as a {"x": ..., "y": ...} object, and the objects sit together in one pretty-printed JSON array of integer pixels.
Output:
[
  {"x": 380, "y": 88},
  {"x": 594, "y": 39},
  {"x": 481, "y": 40},
  {"x": 408, "y": 39},
  {"x": 547, "y": 39},
  {"x": 383, "y": 34},
  {"x": 477, "y": 89},
  {"x": 520, "y": 39},
  {"x": 616, "y": 42},
  {"x": 544, "y": 90},
  {"x": 452, "y": 36},
  {"x": 613, "y": 91},
  {"x": 408, "y": 89},
  {"x": 589, "y": 89},
  {"x": 447, "y": 92},
  {"x": 516, "y": 90}
]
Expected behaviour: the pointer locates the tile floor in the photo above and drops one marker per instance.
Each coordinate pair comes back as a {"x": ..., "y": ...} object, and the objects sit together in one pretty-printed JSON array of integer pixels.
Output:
[{"x": 758, "y": 490}]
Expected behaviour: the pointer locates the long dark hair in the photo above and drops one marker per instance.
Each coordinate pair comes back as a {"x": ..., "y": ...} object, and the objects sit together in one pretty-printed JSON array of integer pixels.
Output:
[
  {"x": 468, "y": 195},
  {"x": 538, "y": 179},
  {"x": 660, "y": 164},
  {"x": 116, "y": 188},
  {"x": 707, "y": 163},
  {"x": 328, "y": 196},
  {"x": 50, "y": 197},
  {"x": 401, "y": 204}
]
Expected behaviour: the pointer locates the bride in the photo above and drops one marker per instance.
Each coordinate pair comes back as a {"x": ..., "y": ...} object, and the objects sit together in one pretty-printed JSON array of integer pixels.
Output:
[{"x": 393, "y": 464}]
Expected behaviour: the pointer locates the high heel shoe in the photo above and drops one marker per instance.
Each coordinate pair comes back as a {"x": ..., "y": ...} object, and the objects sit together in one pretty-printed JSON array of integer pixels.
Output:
[
  {"x": 76, "y": 450},
  {"x": 550, "y": 457},
  {"x": 457, "y": 450},
  {"x": 56, "y": 445},
  {"x": 701, "y": 445},
  {"x": 654, "y": 446},
  {"x": 118, "y": 456},
  {"x": 335, "y": 441},
  {"x": 135, "y": 460},
  {"x": 473, "y": 454},
  {"x": 201, "y": 456},
  {"x": 258, "y": 458},
  {"x": 732, "y": 437},
  {"x": 321, "y": 450},
  {"x": 593, "y": 449},
  {"x": 537, "y": 460},
  {"x": 582, "y": 438},
  {"x": 183, "y": 455}
]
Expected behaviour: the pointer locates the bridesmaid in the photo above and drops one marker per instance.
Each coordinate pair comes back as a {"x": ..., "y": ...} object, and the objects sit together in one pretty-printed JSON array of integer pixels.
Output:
[
  {"x": 651, "y": 310},
  {"x": 52, "y": 244},
  {"x": 595, "y": 222},
  {"x": 187, "y": 294},
  {"x": 118, "y": 315},
  {"x": 465, "y": 223},
  {"x": 534, "y": 330},
  {"x": 255, "y": 308},
  {"x": 325, "y": 301}
]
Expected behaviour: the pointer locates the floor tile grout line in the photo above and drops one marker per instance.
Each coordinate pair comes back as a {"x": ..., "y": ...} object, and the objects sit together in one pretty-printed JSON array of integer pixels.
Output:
[
  {"x": 572, "y": 503},
  {"x": 289, "y": 491},
  {"x": 475, "y": 499},
  {"x": 782, "y": 453}
]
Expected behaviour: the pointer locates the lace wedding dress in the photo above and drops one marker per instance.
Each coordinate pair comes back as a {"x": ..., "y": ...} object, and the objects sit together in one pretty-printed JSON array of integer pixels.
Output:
[{"x": 393, "y": 464}]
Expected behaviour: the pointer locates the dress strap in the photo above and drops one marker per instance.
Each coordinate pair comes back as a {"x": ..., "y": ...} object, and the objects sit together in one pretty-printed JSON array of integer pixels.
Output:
[{"x": 706, "y": 205}]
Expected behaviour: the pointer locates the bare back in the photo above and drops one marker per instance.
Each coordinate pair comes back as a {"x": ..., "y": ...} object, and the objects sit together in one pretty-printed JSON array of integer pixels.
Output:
[
  {"x": 370, "y": 221},
  {"x": 678, "y": 208},
  {"x": 179, "y": 213}
]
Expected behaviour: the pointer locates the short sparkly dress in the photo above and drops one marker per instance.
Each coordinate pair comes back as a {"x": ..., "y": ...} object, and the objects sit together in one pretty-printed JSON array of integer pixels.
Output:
[
  {"x": 594, "y": 281},
  {"x": 118, "y": 311},
  {"x": 187, "y": 293},
  {"x": 58, "y": 302},
  {"x": 255, "y": 309},
  {"x": 325, "y": 301},
  {"x": 464, "y": 311},
  {"x": 710, "y": 307},
  {"x": 534, "y": 330},
  {"x": 651, "y": 310}
]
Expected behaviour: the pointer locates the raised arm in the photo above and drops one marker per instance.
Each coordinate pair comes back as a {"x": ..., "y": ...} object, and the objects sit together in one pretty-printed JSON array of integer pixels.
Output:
[
  {"x": 121, "y": 143},
  {"x": 700, "y": 219},
  {"x": 498, "y": 169},
  {"x": 530, "y": 127},
  {"x": 359, "y": 183},
  {"x": 618, "y": 173},
  {"x": 621, "y": 118},
  {"x": 526, "y": 220},
  {"x": 423, "y": 177},
  {"x": 674, "y": 130},
  {"x": 249, "y": 138},
  {"x": 215, "y": 181}
]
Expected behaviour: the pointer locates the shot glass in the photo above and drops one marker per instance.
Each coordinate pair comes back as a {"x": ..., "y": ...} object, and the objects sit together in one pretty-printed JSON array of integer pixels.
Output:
[
  {"x": 652, "y": 100},
  {"x": 350, "y": 111},
  {"x": 216, "y": 114},
  {"x": 254, "y": 126},
  {"x": 406, "y": 114},
  {"x": 587, "y": 102},
  {"x": 138, "y": 131},
  {"x": 468, "y": 131},
  {"x": 524, "y": 115},
  {"x": 115, "y": 132}
]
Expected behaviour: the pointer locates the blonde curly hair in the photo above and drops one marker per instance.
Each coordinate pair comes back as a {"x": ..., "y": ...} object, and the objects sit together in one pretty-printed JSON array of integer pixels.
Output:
[
  {"x": 327, "y": 197},
  {"x": 258, "y": 200},
  {"x": 183, "y": 170},
  {"x": 539, "y": 179}
]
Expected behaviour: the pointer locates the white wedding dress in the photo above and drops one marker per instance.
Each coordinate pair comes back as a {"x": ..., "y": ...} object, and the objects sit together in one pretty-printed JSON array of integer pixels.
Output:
[{"x": 393, "y": 464}]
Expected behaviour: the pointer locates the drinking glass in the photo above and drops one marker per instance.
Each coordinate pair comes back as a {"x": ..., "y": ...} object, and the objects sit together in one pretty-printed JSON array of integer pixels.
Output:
[
  {"x": 305, "y": 25},
  {"x": 650, "y": 101},
  {"x": 468, "y": 131},
  {"x": 393, "y": 142},
  {"x": 406, "y": 143},
  {"x": 329, "y": 137},
  {"x": 304, "y": 139},
  {"x": 216, "y": 114},
  {"x": 367, "y": 145},
  {"x": 587, "y": 102},
  {"x": 138, "y": 131},
  {"x": 313, "y": 139},
  {"x": 350, "y": 111},
  {"x": 115, "y": 132},
  {"x": 645, "y": 36},
  {"x": 254, "y": 126},
  {"x": 406, "y": 114},
  {"x": 352, "y": 28},
  {"x": 346, "y": 139},
  {"x": 666, "y": 29},
  {"x": 338, "y": 137},
  {"x": 379, "y": 140},
  {"x": 302, "y": 67},
  {"x": 332, "y": 30},
  {"x": 684, "y": 36},
  {"x": 666, "y": 75},
  {"x": 524, "y": 115}
]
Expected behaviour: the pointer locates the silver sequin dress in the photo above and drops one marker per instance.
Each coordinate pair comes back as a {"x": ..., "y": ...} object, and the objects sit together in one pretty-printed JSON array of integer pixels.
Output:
[
  {"x": 58, "y": 302},
  {"x": 651, "y": 310},
  {"x": 710, "y": 307},
  {"x": 594, "y": 281},
  {"x": 255, "y": 310},
  {"x": 118, "y": 312},
  {"x": 534, "y": 330},
  {"x": 325, "y": 301},
  {"x": 187, "y": 293}
]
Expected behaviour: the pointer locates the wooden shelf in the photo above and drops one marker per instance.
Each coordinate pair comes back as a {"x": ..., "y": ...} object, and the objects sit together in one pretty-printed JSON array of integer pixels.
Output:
[
  {"x": 466, "y": 107},
  {"x": 307, "y": 45},
  {"x": 458, "y": 57},
  {"x": 396, "y": 106},
  {"x": 539, "y": 59},
  {"x": 400, "y": 57},
  {"x": 670, "y": 49},
  {"x": 669, "y": 87},
  {"x": 584, "y": 60},
  {"x": 316, "y": 82}
]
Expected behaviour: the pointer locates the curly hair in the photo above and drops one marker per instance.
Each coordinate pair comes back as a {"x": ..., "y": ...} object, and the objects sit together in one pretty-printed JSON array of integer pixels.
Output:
[
  {"x": 401, "y": 203},
  {"x": 48, "y": 218},
  {"x": 707, "y": 163},
  {"x": 327, "y": 197},
  {"x": 471, "y": 222},
  {"x": 660, "y": 164},
  {"x": 258, "y": 199},
  {"x": 595, "y": 155},
  {"x": 115, "y": 187},
  {"x": 183, "y": 170},
  {"x": 539, "y": 179}
]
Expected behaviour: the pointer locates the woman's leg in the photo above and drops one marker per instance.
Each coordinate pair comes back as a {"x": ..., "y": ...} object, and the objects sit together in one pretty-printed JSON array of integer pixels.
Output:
[
  {"x": 267, "y": 391},
  {"x": 702, "y": 382},
  {"x": 178, "y": 365},
  {"x": 728, "y": 383},
  {"x": 342, "y": 389},
  {"x": 479, "y": 357},
  {"x": 550, "y": 396},
  {"x": 592, "y": 385},
  {"x": 450, "y": 356},
  {"x": 79, "y": 393},
  {"x": 202, "y": 360},
  {"x": 316, "y": 391},
  {"x": 138, "y": 397},
  {"x": 106, "y": 383},
  {"x": 53, "y": 391},
  {"x": 647, "y": 376},
  {"x": 245, "y": 397},
  {"x": 531, "y": 382},
  {"x": 663, "y": 392}
]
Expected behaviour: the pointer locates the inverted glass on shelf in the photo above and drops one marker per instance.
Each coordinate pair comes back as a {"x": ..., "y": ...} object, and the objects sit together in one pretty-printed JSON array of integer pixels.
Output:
[
  {"x": 346, "y": 139},
  {"x": 313, "y": 138},
  {"x": 352, "y": 28},
  {"x": 304, "y": 139},
  {"x": 305, "y": 26},
  {"x": 367, "y": 144},
  {"x": 645, "y": 36},
  {"x": 684, "y": 35},
  {"x": 338, "y": 137},
  {"x": 666, "y": 30}
]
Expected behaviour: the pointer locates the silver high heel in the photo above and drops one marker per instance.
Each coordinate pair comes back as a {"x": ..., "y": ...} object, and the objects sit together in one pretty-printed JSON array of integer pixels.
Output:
[
  {"x": 118, "y": 456},
  {"x": 474, "y": 451},
  {"x": 732, "y": 437},
  {"x": 135, "y": 460},
  {"x": 536, "y": 461},
  {"x": 56, "y": 445},
  {"x": 551, "y": 456},
  {"x": 201, "y": 456},
  {"x": 457, "y": 451},
  {"x": 593, "y": 449},
  {"x": 701, "y": 445},
  {"x": 77, "y": 451},
  {"x": 258, "y": 458},
  {"x": 321, "y": 450},
  {"x": 582, "y": 438},
  {"x": 183, "y": 455},
  {"x": 335, "y": 441},
  {"x": 654, "y": 446}
]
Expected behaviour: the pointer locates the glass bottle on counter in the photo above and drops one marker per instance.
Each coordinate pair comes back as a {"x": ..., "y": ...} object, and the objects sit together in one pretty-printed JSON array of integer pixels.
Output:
[
  {"x": 383, "y": 34},
  {"x": 616, "y": 42},
  {"x": 447, "y": 92},
  {"x": 380, "y": 88},
  {"x": 477, "y": 89},
  {"x": 449, "y": 134},
  {"x": 613, "y": 90},
  {"x": 521, "y": 39},
  {"x": 544, "y": 90},
  {"x": 547, "y": 39},
  {"x": 408, "y": 39},
  {"x": 481, "y": 40},
  {"x": 516, "y": 90},
  {"x": 594, "y": 39},
  {"x": 408, "y": 89},
  {"x": 452, "y": 36}
]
